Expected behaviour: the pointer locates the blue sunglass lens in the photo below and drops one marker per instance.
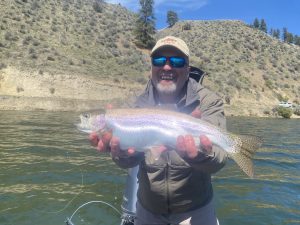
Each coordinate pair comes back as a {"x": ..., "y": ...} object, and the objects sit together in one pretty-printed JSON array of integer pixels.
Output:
[
  {"x": 159, "y": 61},
  {"x": 176, "y": 62}
]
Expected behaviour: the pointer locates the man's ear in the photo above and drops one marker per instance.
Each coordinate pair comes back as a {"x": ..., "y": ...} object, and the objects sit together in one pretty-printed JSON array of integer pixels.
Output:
[{"x": 188, "y": 71}]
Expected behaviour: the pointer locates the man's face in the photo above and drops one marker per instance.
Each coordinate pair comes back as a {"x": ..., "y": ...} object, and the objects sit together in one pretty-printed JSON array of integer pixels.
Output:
[{"x": 167, "y": 79}]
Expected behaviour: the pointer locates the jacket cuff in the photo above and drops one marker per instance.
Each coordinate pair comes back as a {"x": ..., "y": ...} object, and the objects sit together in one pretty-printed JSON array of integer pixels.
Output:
[
  {"x": 209, "y": 163},
  {"x": 126, "y": 161}
]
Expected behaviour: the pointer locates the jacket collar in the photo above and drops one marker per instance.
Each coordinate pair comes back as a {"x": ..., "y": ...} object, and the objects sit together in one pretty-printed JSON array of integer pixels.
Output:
[{"x": 188, "y": 97}]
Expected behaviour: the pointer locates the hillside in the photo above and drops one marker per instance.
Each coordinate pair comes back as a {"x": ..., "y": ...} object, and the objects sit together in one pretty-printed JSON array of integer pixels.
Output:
[
  {"x": 78, "y": 54},
  {"x": 69, "y": 35},
  {"x": 250, "y": 69}
]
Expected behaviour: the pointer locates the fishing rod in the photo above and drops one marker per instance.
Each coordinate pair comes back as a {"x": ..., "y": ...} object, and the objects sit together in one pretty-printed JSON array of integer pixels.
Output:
[
  {"x": 129, "y": 200},
  {"x": 69, "y": 219}
]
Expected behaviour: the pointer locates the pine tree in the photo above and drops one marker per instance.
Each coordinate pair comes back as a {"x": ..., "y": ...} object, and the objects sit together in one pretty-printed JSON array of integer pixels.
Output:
[
  {"x": 290, "y": 38},
  {"x": 284, "y": 34},
  {"x": 263, "y": 26},
  {"x": 277, "y": 34},
  {"x": 256, "y": 23},
  {"x": 172, "y": 18},
  {"x": 145, "y": 25},
  {"x": 297, "y": 40}
]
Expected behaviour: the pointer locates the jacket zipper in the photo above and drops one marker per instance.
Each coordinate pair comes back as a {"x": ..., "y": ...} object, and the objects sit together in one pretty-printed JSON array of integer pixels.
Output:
[{"x": 167, "y": 184}]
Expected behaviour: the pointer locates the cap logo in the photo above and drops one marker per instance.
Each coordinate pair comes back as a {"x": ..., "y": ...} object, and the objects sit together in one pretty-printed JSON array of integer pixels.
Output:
[{"x": 169, "y": 41}]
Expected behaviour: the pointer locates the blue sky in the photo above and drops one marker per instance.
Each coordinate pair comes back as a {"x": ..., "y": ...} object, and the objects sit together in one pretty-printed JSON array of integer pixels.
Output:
[{"x": 277, "y": 13}]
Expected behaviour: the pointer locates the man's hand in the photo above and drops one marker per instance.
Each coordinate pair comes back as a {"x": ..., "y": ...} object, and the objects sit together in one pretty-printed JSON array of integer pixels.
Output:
[
  {"x": 186, "y": 146},
  {"x": 196, "y": 113},
  {"x": 102, "y": 143},
  {"x": 108, "y": 143},
  {"x": 116, "y": 151}
]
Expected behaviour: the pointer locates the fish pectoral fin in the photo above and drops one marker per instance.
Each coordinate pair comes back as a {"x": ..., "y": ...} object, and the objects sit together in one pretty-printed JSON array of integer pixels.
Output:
[{"x": 245, "y": 148}]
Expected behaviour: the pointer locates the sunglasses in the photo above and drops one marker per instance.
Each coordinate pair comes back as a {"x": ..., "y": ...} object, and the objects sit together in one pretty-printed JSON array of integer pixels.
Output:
[{"x": 175, "y": 61}]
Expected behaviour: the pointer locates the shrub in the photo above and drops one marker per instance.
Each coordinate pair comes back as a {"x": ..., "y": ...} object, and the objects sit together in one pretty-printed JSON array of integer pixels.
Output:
[
  {"x": 33, "y": 56},
  {"x": 141, "y": 80},
  {"x": 187, "y": 26},
  {"x": 125, "y": 43},
  {"x": 2, "y": 65},
  {"x": 52, "y": 90},
  {"x": 227, "y": 99},
  {"x": 10, "y": 37},
  {"x": 19, "y": 89},
  {"x": 98, "y": 6},
  {"x": 297, "y": 111},
  {"x": 284, "y": 112},
  {"x": 269, "y": 84},
  {"x": 50, "y": 58},
  {"x": 281, "y": 98}
]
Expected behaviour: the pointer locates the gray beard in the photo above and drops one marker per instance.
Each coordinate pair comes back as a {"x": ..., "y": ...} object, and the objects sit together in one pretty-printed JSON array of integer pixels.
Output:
[{"x": 169, "y": 89}]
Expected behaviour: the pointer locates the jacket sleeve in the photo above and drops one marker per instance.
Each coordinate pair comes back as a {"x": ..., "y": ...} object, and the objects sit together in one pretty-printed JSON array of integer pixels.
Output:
[{"x": 212, "y": 111}]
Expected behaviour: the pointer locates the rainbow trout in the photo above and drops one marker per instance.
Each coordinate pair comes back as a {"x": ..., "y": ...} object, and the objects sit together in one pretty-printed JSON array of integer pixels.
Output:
[{"x": 143, "y": 129}]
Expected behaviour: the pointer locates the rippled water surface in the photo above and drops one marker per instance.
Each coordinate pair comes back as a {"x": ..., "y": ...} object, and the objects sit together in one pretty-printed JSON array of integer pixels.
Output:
[{"x": 48, "y": 169}]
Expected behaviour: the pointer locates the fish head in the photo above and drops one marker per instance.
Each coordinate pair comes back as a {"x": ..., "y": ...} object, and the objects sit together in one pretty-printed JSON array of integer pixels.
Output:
[{"x": 91, "y": 122}]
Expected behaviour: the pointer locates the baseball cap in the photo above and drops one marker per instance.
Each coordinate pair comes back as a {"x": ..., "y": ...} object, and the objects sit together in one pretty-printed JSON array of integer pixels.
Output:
[{"x": 172, "y": 42}]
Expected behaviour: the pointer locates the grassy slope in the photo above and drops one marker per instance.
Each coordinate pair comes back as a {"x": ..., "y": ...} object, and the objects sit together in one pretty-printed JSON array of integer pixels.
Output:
[{"x": 55, "y": 36}]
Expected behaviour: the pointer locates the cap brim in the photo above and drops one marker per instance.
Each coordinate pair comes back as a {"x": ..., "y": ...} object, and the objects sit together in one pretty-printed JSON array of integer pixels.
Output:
[{"x": 168, "y": 46}]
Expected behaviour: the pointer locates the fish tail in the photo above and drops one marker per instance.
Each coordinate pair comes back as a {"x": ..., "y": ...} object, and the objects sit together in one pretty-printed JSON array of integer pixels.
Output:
[{"x": 245, "y": 148}]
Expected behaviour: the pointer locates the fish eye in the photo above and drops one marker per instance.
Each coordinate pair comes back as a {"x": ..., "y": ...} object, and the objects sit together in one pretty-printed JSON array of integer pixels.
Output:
[{"x": 86, "y": 115}]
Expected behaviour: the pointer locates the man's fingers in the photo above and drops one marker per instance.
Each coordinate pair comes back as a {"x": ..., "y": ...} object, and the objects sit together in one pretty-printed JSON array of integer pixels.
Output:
[
  {"x": 106, "y": 137},
  {"x": 191, "y": 149},
  {"x": 115, "y": 146},
  {"x": 196, "y": 113},
  {"x": 94, "y": 139},
  {"x": 101, "y": 146},
  {"x": 206, "y": 144},
  {"x": 131, "y": 151},
  {"x": 180, "y": 146}
]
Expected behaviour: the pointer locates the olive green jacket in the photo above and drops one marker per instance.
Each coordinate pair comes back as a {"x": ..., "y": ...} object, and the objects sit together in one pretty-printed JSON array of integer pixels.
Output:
[{"x": 173, "y": 184}]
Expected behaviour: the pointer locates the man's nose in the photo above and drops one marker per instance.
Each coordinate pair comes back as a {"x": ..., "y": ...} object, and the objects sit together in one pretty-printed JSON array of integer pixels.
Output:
[{"x": 167, "y": 66}]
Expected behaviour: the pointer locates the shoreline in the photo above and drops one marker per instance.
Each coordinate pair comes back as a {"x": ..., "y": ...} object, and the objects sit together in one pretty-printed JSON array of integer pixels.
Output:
[
  {"x": 31, "y": 91},
  {"x": 59, "y": 104}
]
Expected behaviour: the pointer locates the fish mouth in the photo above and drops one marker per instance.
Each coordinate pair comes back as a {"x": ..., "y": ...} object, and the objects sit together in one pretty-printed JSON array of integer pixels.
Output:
[{"x": 83, "y": 125}]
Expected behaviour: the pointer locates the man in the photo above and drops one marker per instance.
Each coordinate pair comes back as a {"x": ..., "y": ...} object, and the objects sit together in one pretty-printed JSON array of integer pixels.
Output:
[{"x": 176, "y": 188}]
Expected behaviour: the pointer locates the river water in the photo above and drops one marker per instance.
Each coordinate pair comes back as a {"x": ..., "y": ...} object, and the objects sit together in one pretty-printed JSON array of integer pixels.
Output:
[{"x": 48, "y": 169}]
